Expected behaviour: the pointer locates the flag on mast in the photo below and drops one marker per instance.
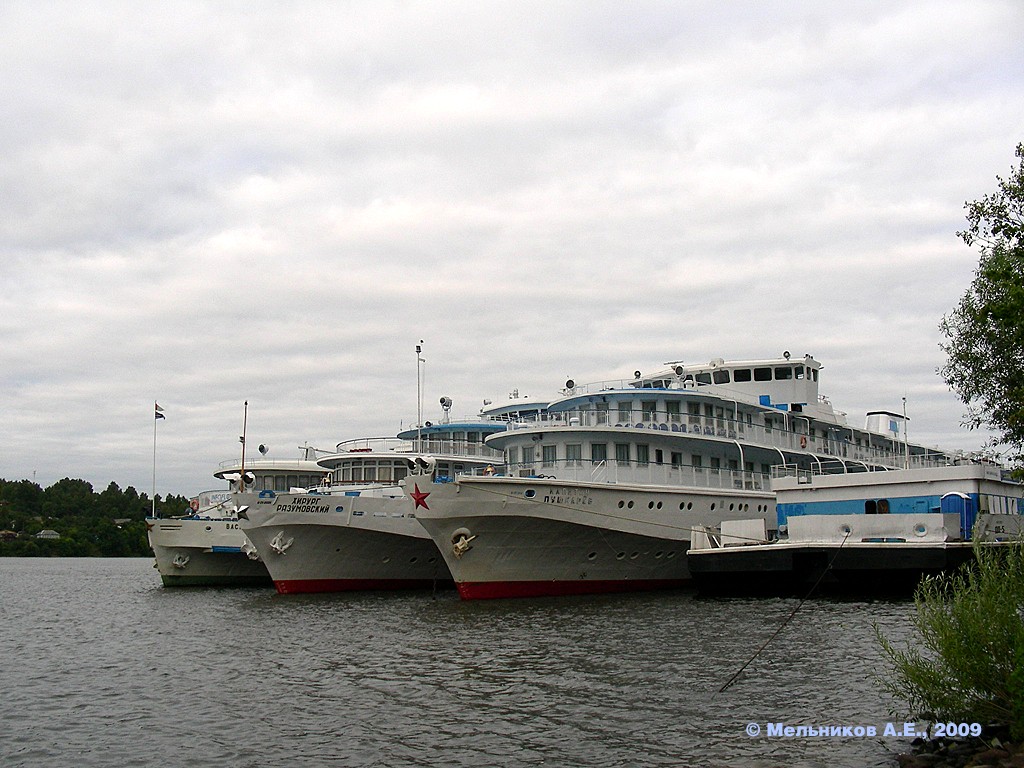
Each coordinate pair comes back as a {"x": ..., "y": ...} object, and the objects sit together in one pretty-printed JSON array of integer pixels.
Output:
[{"x": 158, "y": 413}]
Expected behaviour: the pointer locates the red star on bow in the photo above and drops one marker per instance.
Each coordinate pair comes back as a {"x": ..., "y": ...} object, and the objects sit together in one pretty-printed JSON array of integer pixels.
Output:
[{"x": 419, "y": 498}]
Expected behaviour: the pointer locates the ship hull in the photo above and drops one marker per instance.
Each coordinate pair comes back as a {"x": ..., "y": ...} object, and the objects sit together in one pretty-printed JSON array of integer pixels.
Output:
[
  {"x": 204, "y": 553},
  {"x": 326, "y": 543},
  {"x": 509, "y": 537}
]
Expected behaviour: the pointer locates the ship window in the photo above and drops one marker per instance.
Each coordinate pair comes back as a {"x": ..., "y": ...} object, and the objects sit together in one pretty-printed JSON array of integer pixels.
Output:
[
  {"x": 401, "y": 472},
  {"x": 512, "y": 455},
  {"x": 721, "y": 377},
  {"x": 883, "y": 506},
  {"x": 625, "y": 409},
  {"x": 643, "y": 454},
  {"x": 762, "y": 374},
  {"x": 799, "y": 371},
  {"x": 279, "y": 483},
  {"x": 672, "y": 411},
  {"x": 783, "y": 374},
  {"x": 697, "y": 461},
  {"x": 677, "y": 460},
  {"x": 548, "y": 453},
  {"x": 598, "y": 452},
  {"x": 870, "y": 508},
  {"x": 528, "y": 454},
  {"x": 741, "y": 374},
  {"x": 472, "y": 437},
  {"x": 622, "y": 453},
  {"x": 649, "y": 407},
  {"x": 703, "y": 378},
  {"x": 574, "y": 455}
]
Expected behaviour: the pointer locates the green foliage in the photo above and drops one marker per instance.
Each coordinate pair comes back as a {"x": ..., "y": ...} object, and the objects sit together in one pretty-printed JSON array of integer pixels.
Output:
[
  {"x": 84, "y": 519},
  {"x": 967, "y": 663},
  {"x": 985, "y": 331}
]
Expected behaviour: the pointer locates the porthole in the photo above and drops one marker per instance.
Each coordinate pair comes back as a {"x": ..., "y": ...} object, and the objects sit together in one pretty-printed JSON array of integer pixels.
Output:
[
  {"x": 689, "y": 505},
  {"x": 634, "y": 556},
  {"x": 413, "y": 559},
  {"x": 431, "y": 560},
  {"x": 659, "y": 505},
  {"x": 650, "y": 505},
  {"x": 630, "y": 505},
  {"x": 657, "y": 555},
  {"x": 385, "y": 559},
  {"x": 592, "y": 555},
  {"x": 712, "y": 506},
  {"x": 670, "y": 555},
  {"x": 621, "y": 503},
  {"x": 209, "y": 528},
  {"x": 530, "y": 493},
  {"x": 620, "y": 555},
  {"x": 731, "y": 507},
  {"x": 682, "y": 505}
]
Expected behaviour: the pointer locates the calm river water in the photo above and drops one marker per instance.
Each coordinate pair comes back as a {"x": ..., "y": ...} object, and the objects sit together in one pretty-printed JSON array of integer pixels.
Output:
[{"x": 101, "y": 666}]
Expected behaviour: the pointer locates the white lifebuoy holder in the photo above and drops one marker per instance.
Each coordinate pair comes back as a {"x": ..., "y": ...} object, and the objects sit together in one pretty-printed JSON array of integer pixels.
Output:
[
  {"x": 803, "y": 441},
  {"x": 194, "y": 504}
]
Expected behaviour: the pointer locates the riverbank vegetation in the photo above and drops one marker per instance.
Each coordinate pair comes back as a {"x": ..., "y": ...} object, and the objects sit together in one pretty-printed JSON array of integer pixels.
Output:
[
  {"x": 966, "y": 663},
  {"x": 70, "y": 519}
]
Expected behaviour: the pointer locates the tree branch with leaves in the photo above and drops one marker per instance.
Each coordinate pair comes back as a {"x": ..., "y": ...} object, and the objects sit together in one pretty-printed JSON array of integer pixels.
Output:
[{"x": 985, "y": 332}]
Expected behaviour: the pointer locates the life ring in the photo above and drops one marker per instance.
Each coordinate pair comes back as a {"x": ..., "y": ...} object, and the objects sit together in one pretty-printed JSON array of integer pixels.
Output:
[
  {"x": 194, "y": 504},
  {"x": 803, "y": 441}
]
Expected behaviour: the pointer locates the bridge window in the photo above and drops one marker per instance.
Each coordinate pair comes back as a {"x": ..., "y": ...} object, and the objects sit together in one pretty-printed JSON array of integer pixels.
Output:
[
  {"x": 721, "y": 377},
  {"x": 741, "y": 374},
  {"x": 703, "y": 378},
  {"x": 783, "y": 374},
  {"x": 762, "y": 374}
]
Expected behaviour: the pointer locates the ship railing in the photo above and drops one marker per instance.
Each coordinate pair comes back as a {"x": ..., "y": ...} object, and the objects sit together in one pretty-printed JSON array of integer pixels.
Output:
[
  {"x": 649, "y": 473},
  {"x": 426, "y": 444},
  {"x": 836, "y": 444}
]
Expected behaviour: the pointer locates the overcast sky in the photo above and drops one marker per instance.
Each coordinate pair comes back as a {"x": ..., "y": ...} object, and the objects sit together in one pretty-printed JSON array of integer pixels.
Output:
[{"x": 207, "y": 203}]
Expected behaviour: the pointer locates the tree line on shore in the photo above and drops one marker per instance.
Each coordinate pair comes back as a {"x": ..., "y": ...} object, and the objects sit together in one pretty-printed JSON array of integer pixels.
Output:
[{"x": 111, "y": 523}]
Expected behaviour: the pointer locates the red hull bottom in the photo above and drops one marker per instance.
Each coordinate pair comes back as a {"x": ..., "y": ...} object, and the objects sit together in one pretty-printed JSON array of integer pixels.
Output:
[
  {"x": 487, "y": 590},
  {"x": 305, "y": 586}
]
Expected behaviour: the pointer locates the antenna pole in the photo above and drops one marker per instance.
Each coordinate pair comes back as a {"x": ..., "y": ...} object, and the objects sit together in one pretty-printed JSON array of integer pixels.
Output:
[
  {"x": 245, "y": 421},
  {"x": 906, "y": 437},
  {"x": 419, "y": 398},
  {"x": 156, "y": 410}
]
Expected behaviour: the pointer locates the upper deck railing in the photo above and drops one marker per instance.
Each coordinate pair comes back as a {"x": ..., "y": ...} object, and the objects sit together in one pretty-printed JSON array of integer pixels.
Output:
[
  {"x": 641, "y": 473},
  {"x": 428, "y": 444},
  {"x": 840, "y": 442}
]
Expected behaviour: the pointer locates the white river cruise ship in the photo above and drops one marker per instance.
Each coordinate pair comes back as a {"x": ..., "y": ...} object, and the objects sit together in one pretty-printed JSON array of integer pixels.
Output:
[{"x": 603, "y": 490}]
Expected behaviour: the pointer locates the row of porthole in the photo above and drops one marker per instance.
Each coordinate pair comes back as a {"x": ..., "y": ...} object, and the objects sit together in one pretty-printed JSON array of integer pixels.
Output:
[
  {"x": 413, "y": 559},
  {"x": 688, "y": 505},
  {"x": 634, "y": 555}
]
